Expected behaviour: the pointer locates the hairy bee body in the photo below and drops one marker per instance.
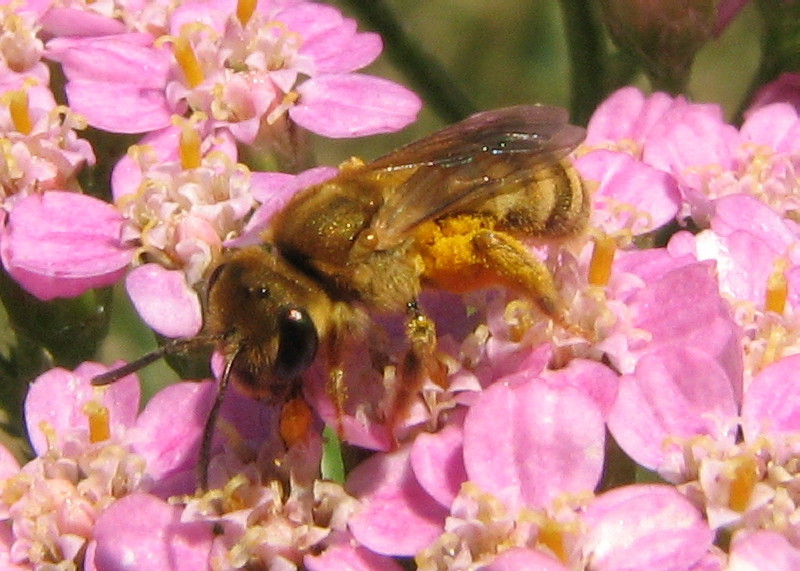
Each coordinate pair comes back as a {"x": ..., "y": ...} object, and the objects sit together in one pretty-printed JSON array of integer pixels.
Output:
[
  {"x": 449, "y": 211},
  {"x": 442, "y": 213}
]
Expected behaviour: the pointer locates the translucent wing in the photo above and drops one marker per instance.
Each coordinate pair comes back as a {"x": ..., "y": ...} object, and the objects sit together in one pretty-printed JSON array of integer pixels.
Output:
[{"x": 467, "y": 163}]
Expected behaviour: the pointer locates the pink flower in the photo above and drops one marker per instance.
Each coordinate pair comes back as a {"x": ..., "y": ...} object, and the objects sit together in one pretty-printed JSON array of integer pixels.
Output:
[
  {"x": 706, "y": 157},
  {"x": 245, "y": 75},
  {"x": 621, "y": 206},
  {"x": 752, "y": 550},
  {"x": 268, "y": 501},
  {"x": 654, "y": 301},
  {"x": 40, "y": 149},
  {"x": 171, "y": 222},
  {"x": 754, "y": 251},
  {"x": 727, "y": 10},
  {"x": 60, "y": 244},
  {"x": 525, "y": 441},
  {"x": 141, "y": 531},
  {"x": 20, "y": 49},
  {"x": 93, "y": 448},
  {"x": 785, "y": 89},
  {"x": 679, "y": 415}
]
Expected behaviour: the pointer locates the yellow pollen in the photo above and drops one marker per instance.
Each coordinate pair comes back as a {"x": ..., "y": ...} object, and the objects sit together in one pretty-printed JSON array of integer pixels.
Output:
[
  {"x": 552, "y": 537},
  {"x": 244, "y": 10},
  {"x": 189, "y": 147},
  {"x": 295, "y": 421},
  {"x": 777, "y": 289},
  {"x": 744, "y": 476},
  {"x": 99, "y": 426},
  {"x": 776, "y": 336},
  {"x": 187, "y": 59},
  {"x": 288, "y": 101},
  {"x": 602, "y": 260},
  {"x": 19, "y": 108},
  {"x": 49, "y": 433}
]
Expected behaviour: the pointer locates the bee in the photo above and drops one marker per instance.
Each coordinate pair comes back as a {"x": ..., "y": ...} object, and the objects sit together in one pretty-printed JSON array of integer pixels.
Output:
[{"x": 449, "y": 211}]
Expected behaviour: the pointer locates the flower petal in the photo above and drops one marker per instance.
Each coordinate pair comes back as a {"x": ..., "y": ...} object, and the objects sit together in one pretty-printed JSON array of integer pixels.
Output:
[
  {"x": 169, "y": 429},
  {"x": 61, "y": 244},
  {"x": 354, "y": 105},
  {"x": 437, "y": 460},
  {"x": 770, "y": 403},
  {"x": 66, "y": 414},
  {"x": 164, "y": 300},
  {"x": 631, "y": 195},
  {"x": 119, "y": 108},
  {"x": 526, "y": 442},
  {"x": 674, "y": 392},
  {"x": 523, "y": 558},
  {"x": 750, "y": 551},
  {"x": 397, "y": 516},
  {"x": 141, "y": 531},
  {"x": 345, "y": 557},
  {"x": 644, "y": 527}
]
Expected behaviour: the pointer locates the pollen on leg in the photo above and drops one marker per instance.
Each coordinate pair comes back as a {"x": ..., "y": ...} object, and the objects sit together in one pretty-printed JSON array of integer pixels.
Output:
[{"x": 295, "y": 421}]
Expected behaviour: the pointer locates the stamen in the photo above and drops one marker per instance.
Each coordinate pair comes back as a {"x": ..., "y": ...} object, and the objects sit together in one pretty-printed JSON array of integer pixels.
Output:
[
  {"x": 602, "y": 260},
  {"x": 244, "y": 10},
  {"x": 19, "y": 108},
  {"x": 552, "y": 537},
  {"x": 744, "y": 476},
  {"x": 775, "y": 337},
  {"x": 99, "y": 426},
  {"x": 295, "y": 421},
  {"x": 189, "y": 147},
  {"x": 288, "y": 101},
  {"x": 777, "y": 289},
  {"x": 187, "y": 59}
]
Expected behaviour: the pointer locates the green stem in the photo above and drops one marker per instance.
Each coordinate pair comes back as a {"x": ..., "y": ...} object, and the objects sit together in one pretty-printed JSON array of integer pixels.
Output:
[
  {"x": 424, "y": 72},
  {"x": 587, "y": 57},
  {"x": 780, "y": 46}
]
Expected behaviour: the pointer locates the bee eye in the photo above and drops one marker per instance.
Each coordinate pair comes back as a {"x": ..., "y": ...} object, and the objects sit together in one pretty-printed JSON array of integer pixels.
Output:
[{"x": 298, "y": 342}]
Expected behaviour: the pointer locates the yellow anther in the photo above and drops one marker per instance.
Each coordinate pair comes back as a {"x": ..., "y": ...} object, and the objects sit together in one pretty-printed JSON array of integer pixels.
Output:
[
  {"x": 99, "y": 425},
  {"x": 777, "y": 289},
  {"x": 19, "y": 109},
  {"x": 189, "y": 146},
  {"x": 244, "y": 10},
  {"x": 775, "y": 337},
  {"x": 743, "y": 471},
  {"x": 187, "y": 59},
  {"x": 551, "y": 535},
  {"x": 602, "y": 260}
]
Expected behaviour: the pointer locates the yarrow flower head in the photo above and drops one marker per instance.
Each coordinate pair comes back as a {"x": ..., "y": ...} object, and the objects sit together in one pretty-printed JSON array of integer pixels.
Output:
[
  {"x": 92, "y": 450},
  {"x": 180, "y": 200},
  {"x": 254, "y": 70},
  {"x": 20, "y": 48},
  {"x": 41, "y": 150}
]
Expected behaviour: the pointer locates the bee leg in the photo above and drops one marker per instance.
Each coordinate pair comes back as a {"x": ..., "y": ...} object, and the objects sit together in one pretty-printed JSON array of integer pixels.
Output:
[
  {"x": 508, "y": 258},
  {"x": 420, "y": 363},
  {"x": 335, "y": 387}
]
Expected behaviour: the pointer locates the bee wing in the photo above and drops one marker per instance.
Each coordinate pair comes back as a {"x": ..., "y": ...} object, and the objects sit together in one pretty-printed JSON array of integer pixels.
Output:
[{"x": 467, "y": 163}]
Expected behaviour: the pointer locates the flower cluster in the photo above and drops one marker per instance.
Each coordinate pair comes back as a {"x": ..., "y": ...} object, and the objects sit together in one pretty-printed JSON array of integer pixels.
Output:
[
  {"x": 269, "y": 73},
  {"x": 654, "y": 427}
]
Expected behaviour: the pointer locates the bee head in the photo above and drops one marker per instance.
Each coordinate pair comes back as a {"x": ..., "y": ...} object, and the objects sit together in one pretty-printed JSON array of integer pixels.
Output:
[{"x": 258, "y": 305}]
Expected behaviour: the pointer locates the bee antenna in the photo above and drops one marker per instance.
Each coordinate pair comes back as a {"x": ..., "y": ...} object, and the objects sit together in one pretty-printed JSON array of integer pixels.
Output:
[
  {"x": 171, "y": 347},
  {"x": 211, "y": 421}
]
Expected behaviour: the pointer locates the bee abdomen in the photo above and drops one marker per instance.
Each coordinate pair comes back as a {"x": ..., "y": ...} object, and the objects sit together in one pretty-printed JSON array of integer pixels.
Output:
[{"x": 555, "y": 204}]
